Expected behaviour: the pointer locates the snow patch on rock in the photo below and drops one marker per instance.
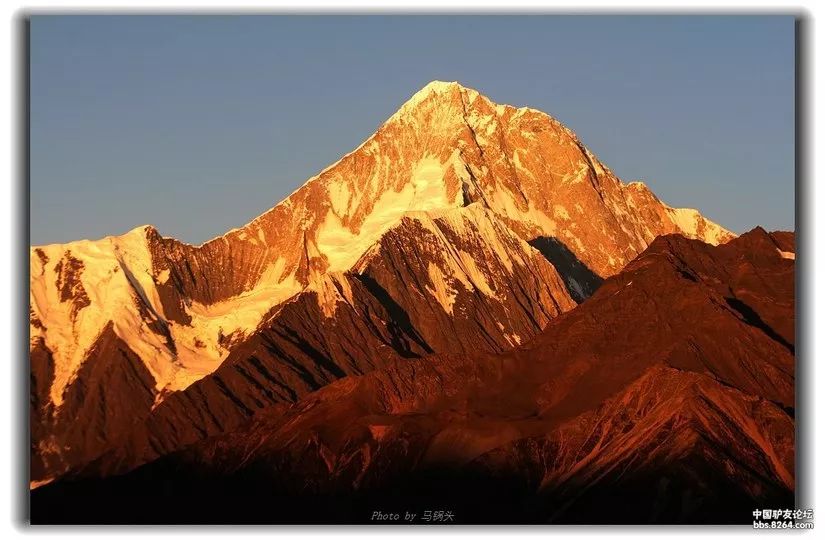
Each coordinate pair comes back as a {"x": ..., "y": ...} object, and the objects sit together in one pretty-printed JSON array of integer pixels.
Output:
[
  {"x": 331, "y": 289},
  {"x": 425, "y": 191},
  {"x": 441, "y": 289},
  {"x": 693, "y": 225}
]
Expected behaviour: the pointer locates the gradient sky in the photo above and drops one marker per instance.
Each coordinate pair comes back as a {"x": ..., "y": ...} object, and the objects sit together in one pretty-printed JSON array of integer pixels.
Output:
[{"x": 198, "y": 124}]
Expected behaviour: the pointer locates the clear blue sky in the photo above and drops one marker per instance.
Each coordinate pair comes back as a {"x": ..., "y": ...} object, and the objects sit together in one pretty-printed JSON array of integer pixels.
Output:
[{"x": 198, "y": 124}]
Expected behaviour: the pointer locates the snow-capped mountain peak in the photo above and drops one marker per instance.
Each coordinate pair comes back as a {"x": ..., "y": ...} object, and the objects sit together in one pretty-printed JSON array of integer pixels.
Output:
[{"x": 476, "y": 177}]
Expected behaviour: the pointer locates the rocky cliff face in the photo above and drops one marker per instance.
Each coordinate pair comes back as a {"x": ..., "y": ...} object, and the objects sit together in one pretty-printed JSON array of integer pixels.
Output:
[
  {"x": 418, "y": 291},
  {"x": 460, "y": 225}
]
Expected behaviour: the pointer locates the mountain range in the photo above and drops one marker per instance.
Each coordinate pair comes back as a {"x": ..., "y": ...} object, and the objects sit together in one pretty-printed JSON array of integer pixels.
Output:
[{"x": 469, "y": 309}]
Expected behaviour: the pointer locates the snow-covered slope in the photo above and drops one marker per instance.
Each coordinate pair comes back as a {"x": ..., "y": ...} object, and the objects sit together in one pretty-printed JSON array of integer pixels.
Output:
[{"x": 78, "y": 288}]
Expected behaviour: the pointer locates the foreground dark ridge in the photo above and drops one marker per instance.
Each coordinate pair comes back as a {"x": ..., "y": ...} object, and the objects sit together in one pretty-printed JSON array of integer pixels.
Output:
[{"x": 666, "y": 397}]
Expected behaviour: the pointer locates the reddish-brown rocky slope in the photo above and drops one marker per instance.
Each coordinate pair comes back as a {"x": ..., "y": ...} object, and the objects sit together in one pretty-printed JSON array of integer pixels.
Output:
[{"x": 667, "y": 396}]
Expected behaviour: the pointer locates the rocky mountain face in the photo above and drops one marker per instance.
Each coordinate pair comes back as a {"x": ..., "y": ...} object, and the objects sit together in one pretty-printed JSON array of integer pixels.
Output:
[
  {"x": 667, "y": 396},
  {"x": 374, "y": 315},
  {"x": 461, "y": 227}
]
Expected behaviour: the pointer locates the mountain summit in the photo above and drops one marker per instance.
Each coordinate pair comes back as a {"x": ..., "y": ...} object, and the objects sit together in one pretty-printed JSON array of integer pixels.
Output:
[{"x": 460, "y": 223}]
